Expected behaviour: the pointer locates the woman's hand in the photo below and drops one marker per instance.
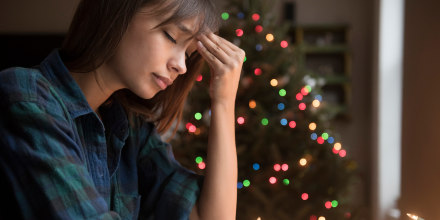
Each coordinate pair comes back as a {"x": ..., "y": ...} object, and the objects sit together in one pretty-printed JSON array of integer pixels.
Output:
[{"x": 225, "y": 61}]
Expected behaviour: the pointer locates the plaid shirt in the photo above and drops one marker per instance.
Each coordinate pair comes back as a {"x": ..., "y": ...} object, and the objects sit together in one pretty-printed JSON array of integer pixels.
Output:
[{"x": 58, "y": 160}]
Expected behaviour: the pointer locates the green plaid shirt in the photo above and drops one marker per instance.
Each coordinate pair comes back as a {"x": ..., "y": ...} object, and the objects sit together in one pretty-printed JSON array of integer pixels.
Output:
[{"x": 58, "y": 160}]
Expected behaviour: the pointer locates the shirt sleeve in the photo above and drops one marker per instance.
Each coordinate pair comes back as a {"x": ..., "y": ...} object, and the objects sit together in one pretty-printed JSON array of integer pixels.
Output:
[
  {"x": 168, "y": 190},
  {"x": 41, "y": 164}
]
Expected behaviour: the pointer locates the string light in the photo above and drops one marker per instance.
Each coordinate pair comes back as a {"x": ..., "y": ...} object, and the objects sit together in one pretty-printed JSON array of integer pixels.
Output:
[
  {"x": 286, "y": 182},
  {"x": 225, "y": 16},
  {"x": 281, "y": 106},
  {"x": 259, "y": 47},
  {"x": 309, "y": 88},
  {"x": 246, "y": 183},
  {"x": 318, "y": 97},
  {"x": 328, "y": 205},
  {"x": 277, "y": 167},
  {"x": 274, "y": 82},
  {"x": 335, "y": 203},
  {"x": 342, "y": 153},
  {"x": 199, "y": 78},
  {"x": 199, "y": 159},
  {"x": 256, "y": 166},
  {"x": 284, "y": 167},
  {"x": 239, "y": 32},
  {"x": 304, "y": 196},
  {"x": 282, "y": 92},
  {"x": 255, "y": 17},
  {"x": 239, "y": 185},
  {"x": 324, "y": 136},
  {"x": 335, "y": 151},
  {"x": 304, "y": 91},
  {"x": 240, "y": 120},
  {"x": 320, "y": 140},
  {"x": 198, "y": 131},
  {"x": 283, "y": 122},
  {"x": 258, "y": 28},
  {"x": 192, "y": 129},
  {"x": 272, "y": 180},
  {"x": 202, "y": 165},
  {"x": 312, "y": 126},
  {"x": 337, "y": 146},
  {"x": 240, "y": 15},
  {"x": 292, "y": 124},
  {"x": 330, "y": 140},
  {"x": 314, "y": 136},
  {"x": 252, "y": 104},
  {"x": 264, "y": 121},
  {"x": 270, "y": 37},
  {"x": 316, "y": 103},
  {"x": 313, "y": 217},
  {"x": 245, "y": 58},
  {"x": 299, "y": 96},
  {"x": 258, "y": 71},
  {"x": 188, "y": 125},
  {"x": 321, "y": 218},
  {"x": 284, "y": 44},
  {"x": 198, "y": 116},
  {"x": 302, "y": 106},
  {"x": 303, "y": 162}
]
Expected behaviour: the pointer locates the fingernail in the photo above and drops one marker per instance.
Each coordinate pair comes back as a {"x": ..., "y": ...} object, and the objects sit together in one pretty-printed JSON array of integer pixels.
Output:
[{"x": 199, "y": 43}]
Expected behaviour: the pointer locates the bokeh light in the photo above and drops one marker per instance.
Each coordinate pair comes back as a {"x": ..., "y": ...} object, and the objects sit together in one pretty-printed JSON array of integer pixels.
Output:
[
  {"x": 316, "y": 103},
  {"x": 292, "y": 124},
  {"x": 277, "y": 167},
  {"x": 239, "y": 32},
  {"x": 258, "y": 28},
  {"x": 304, "y": 196},
  {"x": 273, "y": 82},
  {"x": 258, "y": 71},
  {"x": 256, "y": 166},
  {"x": 270, "y": 37},
  {"x": 272, "y": 180},
  {"x": 282, "y": 92},
  {"x": 303, "y": 161},
  {"x": 264, "y": 121},
  {"x": 225, "y": 16},
  {"x": 255, "y": 17},
  {"x": 199, "y": 159},
  {"x": 198, "y": 116},
  {"x": 252, "y": 104},
  {"x": 337, "y": 146},
  {"x": 240, "y": 120},
  {"x": 284, "y": 44},
  {"x": 202, "y": 165},
  {"x": 312, "y": 126},
  {"x": 302, "y": 106},
  {"x": 284, "y": 167}
]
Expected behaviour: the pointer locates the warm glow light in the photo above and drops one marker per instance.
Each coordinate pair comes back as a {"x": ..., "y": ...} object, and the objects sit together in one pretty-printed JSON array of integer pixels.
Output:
[
  {"x": 303, "y": 162},
  {"x": 198, "y": 131},
  {"x": 259, "y": 218},
  {"x": 316, "y": 103},
  {"x": 337, "y": 146},
  {"x": 321, "y": 218},
  {"x": 312, "y": 126},
  {"x": 270, "y": 37},
  {"x": 239, "y": 32},
  {"x": 273, "y": 82},
  {"x": 252, "y": 104},
  {"x": 415, "y": 217}
]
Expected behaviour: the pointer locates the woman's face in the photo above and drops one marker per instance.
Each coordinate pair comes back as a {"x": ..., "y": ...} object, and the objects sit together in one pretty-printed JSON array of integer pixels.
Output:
[{"x": 149, "y": 59}]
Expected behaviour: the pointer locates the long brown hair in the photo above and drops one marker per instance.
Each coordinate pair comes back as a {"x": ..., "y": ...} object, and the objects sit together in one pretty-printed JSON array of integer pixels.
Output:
[{"x": 96, "y": 30}]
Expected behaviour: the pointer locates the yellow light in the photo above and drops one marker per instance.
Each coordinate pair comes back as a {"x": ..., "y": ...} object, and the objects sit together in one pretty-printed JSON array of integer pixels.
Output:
[
  {"x": 312, "y": 126},
  {"x": 414, "y": 217},
  {"x": 303, "y": 162},
  {"x": 197, "y": 132},
  {"x": 321, "y": 218},
  {"x": 316, "y": 103},
  {"x": 252, "y": 104},
  {"x": 274, "y": 82},
  {"x": 259, "y": 218},
  {"x": 337, "y": 146},
  {"x": 270, "y": 37}
]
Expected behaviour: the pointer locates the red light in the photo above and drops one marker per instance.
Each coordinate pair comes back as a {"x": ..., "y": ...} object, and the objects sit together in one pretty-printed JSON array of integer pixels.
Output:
[
  {"x": 202, "y": 165},
  {"x": 258, "y": 71},
  {"x": 240, "y": 120},
  {"x": 258, "y": 28},
  {"x": 255, "y": 17},
  {"x": 342, "y": 153},
  {"x": 284, "y": 44},
  {"x": 299, "y": 96},
  {"x": 292, "y": 124},
  {"x": 304, "y": 91},
  {"x": 320, "y": 140},
  {"x": 302, "y": 106},
  {"x": 328, "y": 205},
  {"x": 313, "y": 217},
  {"x": 347, "y": 215},
  {"x": 199, "y": 78},
  {"x": 335, "y": 151},
  {"x": 239, "y": 32},
  {"x": 192, "y": 129},
  {"x": 285, "y": 167},
  {"x": 272, "y": 180},
  {"x": 188, "y": 125},
  {"x": 277, "y": 167},
  {"x": 305, "y": 196}
]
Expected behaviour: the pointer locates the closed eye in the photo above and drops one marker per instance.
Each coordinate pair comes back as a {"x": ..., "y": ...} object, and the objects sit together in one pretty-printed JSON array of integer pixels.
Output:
[{"x": 169, "y": 37}]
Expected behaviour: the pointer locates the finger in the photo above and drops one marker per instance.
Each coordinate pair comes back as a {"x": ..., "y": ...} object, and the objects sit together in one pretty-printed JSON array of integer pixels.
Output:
[
  {"x": 234, "y": 50},
  {"x": 214, "y": 48},
  {"x": 221, "y": 42},
  {"x": 207, "y": 55}
]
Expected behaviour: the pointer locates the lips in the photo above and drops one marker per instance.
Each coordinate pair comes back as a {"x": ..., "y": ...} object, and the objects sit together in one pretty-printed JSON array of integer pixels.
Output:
[{"x": 161, "y": 81}]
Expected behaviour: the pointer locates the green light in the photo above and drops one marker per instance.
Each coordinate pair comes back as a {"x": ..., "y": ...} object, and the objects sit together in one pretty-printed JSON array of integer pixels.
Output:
[
  {"x": 198, "y": 116},
  {"x": 309, "y": 88},
  {"x": 264, "y": 121},
  {"x": 225, "y": 16},
  {"x": 334, "y": 203},
  {"x": 286, "y": 182},
  {"x": 282, "y": 92},
  {"x": 199, "y": 160},
  {"x": 246, "y": 183},
  {"x": 245, "y": 58},
  {"x": 324, "y": 136}
]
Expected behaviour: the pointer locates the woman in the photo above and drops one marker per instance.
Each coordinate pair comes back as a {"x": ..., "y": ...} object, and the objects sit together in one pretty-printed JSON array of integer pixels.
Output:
[{"x": 78, "y": 134}]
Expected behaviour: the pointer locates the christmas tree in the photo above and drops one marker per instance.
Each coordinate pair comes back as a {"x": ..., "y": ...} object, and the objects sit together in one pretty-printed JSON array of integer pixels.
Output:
[{"x": 290, "y": 164}]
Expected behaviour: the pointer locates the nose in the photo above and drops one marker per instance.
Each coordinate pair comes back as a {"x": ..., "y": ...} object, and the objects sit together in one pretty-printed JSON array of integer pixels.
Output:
[{"x": 177, "y": 64}]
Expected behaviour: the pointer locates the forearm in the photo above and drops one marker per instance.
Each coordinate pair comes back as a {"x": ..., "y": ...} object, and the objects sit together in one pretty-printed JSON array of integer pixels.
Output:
[{"x": 219, "y": 193}]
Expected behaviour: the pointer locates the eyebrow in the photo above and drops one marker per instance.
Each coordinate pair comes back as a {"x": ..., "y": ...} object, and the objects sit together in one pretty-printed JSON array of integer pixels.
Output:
[{"x": 184, "y": 29}]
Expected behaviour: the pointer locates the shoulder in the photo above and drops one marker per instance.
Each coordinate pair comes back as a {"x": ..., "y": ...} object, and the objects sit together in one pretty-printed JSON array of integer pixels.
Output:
[
  {"x": 145, "y": 133},
  {"x": 19, "y": 86}
]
